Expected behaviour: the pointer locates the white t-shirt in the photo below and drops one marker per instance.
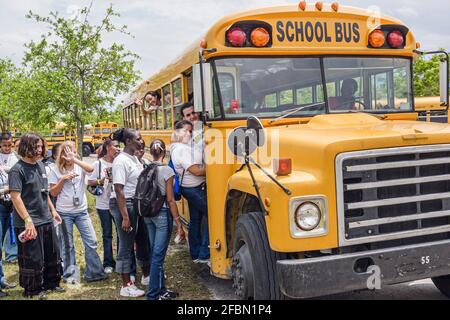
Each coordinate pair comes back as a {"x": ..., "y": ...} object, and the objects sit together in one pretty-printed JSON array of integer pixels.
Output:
[
  {"x": 7, "y": 161},
  {"x": 102, "y": 202},
  {"x": 72, "y": 188},
  {"x": 183, "y": 157},
  {"x": 126, "y": 170}
]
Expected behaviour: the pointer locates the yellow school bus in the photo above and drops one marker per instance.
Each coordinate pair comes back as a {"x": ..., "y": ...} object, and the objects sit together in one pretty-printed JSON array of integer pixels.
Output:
[
  {"x": 102, "y": 131},
  {"x": 60, "y": 134},
  {"x": 344, "y": 188}
]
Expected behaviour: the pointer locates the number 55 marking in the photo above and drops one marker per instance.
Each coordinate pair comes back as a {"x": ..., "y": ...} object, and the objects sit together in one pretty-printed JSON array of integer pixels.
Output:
[{"x": 425, "y": 260}]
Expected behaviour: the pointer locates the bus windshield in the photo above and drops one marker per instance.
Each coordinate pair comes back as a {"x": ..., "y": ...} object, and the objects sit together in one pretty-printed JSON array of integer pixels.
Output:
[{"x": 268, "y": 87}]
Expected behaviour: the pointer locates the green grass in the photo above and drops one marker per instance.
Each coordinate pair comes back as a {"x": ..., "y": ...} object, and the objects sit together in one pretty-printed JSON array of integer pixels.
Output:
[{"x": 182, "y": 275}]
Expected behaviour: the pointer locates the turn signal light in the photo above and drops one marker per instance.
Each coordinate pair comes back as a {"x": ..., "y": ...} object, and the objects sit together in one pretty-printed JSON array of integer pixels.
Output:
[
  {"x": 260, "y": 37},
  {"x": 395, "y": 39},
  {"x": 377, "y": 39},
  {"x": 282, "y": 167},
  {"x": 236, "y": 37}
]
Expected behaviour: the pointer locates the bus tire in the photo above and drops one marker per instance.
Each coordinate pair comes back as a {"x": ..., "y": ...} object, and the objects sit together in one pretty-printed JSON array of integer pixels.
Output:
[
  {"x": 86, "y": 150},
  {"x": 254, "y": 262},
  {"x": 443, "y": 284}
]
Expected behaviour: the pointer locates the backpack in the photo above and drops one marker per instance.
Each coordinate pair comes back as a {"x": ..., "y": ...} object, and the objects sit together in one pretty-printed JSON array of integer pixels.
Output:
[
  {"x": 148, "y": 199},
  {"x": 177, "y": 183}
]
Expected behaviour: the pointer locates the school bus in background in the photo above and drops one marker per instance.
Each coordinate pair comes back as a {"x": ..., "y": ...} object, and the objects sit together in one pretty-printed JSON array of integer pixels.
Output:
[
  {"x": 60, "y": 134},
  {"x": 102, "y": 131},
  {"x": 368, "y": 194}
]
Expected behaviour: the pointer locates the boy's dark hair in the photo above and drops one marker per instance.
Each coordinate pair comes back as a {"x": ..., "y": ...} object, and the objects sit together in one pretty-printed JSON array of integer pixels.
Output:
[
  {"x": 184, "y": 107},
  {"x": 153, "y": 93},
  {"x": 28, "y": 143},
  {"x": 124, "y": 134},
  {"x": 6, "y": 136},
  {"x": 157, "y": 149},
  {"x": 182, "y": 123}
]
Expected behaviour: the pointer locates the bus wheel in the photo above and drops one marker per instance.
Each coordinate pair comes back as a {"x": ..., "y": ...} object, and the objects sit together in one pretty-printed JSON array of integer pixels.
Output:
[
  {"x": 443, "y": 284},
  {"x": 86, "y": 151},
  {"x": 254, "y": 262}
]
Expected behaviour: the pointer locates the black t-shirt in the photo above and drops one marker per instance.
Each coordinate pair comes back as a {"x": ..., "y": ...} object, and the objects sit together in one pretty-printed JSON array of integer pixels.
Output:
[{"x": 31, "y": 181}]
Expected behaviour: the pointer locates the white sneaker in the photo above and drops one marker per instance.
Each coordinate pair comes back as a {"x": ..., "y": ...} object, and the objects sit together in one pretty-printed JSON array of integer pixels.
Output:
[
  {"x": 145, "y": 280},
  {"x": 131, "y": 291},
  {"x": 133, "y": 279},
  {"x": 109, "y": 270}
]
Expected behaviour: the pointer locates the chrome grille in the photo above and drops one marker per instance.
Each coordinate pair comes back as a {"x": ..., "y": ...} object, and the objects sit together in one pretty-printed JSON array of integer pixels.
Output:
[{"x": 393, "y": 194}]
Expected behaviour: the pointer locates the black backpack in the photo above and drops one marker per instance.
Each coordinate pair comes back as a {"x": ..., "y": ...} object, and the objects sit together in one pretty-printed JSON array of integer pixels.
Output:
[{"x": 148, "y": 199}]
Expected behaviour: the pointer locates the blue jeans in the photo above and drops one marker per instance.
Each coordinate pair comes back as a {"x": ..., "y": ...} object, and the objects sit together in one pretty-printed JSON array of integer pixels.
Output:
[
  {"x": 159, "y": 231},
  {"x": 127, "y": 239},
  {"x": 94, "y": 268},
  {"x": 106, "y": 221},
  {"x": 5, "y": 236},
  {"x": 198, "y": 210}
]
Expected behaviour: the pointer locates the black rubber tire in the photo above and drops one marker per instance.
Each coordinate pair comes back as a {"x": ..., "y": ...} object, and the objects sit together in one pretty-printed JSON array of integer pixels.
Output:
[
  {"x": 86, "y": 151},
  {"x": 443, "y": 284},
  {"x": 251, "y": 231}
]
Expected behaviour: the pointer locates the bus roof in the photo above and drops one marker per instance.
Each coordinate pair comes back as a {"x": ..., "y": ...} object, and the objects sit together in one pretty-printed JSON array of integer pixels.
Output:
[{"x": 278, "y": 17}]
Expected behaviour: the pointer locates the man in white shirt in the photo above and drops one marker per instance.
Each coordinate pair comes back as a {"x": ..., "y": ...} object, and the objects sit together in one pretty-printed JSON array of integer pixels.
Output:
[
  {"x": 192, "y": 175},
  {"x": 188, "y": 113}
]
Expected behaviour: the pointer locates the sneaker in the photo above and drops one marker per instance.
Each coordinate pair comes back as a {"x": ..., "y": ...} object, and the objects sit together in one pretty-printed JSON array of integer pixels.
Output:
[
  {"x": 71, "y": 280},
  {"x": 145, "y": 280},
  {"x": 3, "y": 294},
  {"x": 164, "y": 296},
  {"x": 131, "y": 291},
  {"x": 171, "y": 294},
  {"x": 109, "y": 270},
  {"x": 8, "y": 285},
  {"x": 42, "y": 296}
]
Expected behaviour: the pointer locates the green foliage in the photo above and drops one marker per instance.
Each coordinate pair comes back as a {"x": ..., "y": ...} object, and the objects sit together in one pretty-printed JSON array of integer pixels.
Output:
[
  {"x": 78, "y": 77},
  {"x": 426, "y": 76}
]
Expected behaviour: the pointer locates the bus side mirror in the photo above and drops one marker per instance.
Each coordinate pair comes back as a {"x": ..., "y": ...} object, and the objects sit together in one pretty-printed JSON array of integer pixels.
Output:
[
  {"x": 203, "y": 90},
  {"x": 444, "y": 82}
]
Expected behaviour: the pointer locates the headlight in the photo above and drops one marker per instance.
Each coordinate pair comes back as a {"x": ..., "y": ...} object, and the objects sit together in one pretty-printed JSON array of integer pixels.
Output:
[{"x": 308, "y": 216}]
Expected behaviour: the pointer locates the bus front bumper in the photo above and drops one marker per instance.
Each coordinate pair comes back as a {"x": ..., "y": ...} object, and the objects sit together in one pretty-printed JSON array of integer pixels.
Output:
[{"x": 314, "y": 277}]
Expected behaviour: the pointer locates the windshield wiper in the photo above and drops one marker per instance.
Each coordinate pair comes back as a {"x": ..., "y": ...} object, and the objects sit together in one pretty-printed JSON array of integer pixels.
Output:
[{"x": 289, "y": 112}]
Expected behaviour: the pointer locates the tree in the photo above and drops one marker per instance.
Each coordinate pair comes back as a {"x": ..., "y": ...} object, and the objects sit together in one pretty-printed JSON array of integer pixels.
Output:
[
  {"x": 78, "y": 77},
  {"x": 426, "y": 76}
]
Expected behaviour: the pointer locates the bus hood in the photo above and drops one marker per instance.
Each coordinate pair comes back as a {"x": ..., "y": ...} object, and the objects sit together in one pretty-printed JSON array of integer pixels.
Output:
[{"x": 325, "y": 136}]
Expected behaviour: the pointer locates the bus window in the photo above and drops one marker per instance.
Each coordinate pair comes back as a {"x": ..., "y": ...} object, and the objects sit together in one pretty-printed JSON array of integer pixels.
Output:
[
  {"x": 227, "y": 90},
  {"x": 379, "y": 91},
  {"x": 159, "y": 119},
  {"x": 304, "y": 96},
  {"x": 377, "y": 74},
  {"x": 270, "y": 100},
  {"x": 167, "y": 107},
  {"x": 286, "y": 97},
  {"x": 177, "y": 91},
  {"x": 256, "y": 78}
]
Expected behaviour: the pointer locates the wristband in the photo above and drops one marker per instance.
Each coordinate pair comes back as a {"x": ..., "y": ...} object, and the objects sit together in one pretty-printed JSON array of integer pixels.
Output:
[{"x": 28, "y": 220}]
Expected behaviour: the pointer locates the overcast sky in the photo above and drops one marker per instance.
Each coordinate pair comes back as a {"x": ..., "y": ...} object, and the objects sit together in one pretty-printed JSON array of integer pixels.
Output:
[{"x": 164, "y": 28}]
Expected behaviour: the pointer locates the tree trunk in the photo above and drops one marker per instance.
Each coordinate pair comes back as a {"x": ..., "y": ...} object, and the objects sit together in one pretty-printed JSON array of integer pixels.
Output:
[{"x": 80, "y": 139}]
